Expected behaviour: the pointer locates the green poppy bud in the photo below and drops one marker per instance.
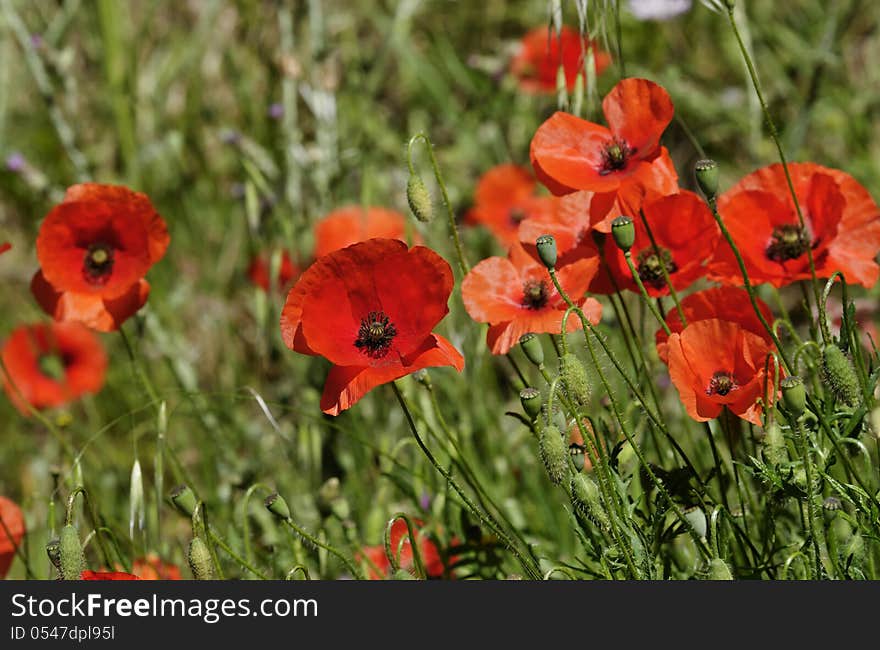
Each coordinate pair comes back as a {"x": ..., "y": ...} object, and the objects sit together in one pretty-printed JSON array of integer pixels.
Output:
[
  {"x": 718, "y": 570},
  {"x": 554, "y": 454},
  {"x": 773, "y": 445},
  {"x": 200, "y": 562},
  {"x": 697, "y": 519},
  {"x": 624, "y": 232},
  {"x": 585, "y": 494},
  {"x": 706, "y": 172},
  {"x": 794, "y": 395},
  {"x": 184, "y": 499},
  {"x": 840, "y": 376},
  {"x": 419, "y": 199},
  {"x": 547, "y": 250},
  {"x": 72, "y": 560},
  {"x": 574, "y": 378},
  {"x": 276, "y": 504},
  {"x": 531, "y": 401},
  {"x": 531, "y": 346}
]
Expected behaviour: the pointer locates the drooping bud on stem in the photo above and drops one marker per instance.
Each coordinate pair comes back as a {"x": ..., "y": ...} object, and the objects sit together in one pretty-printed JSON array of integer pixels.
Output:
[
  {"x": 624, "y": 232},
  {"x": 276, "y": 504},
  {"x": 839, "y": 375},
  {"x": 794, "y": 395},
  {"x": 546, "y": 245},
  {"x": 419, "y": 198},
  {"x": 72, "y": 561},
  {"x": 531, "y": 401},
  {"x": 574, "y": 378},
  {"x": 554, "y": 454},
  {"x": 585, "y": 494},
  {"x": 184, "y": 499},
  {"x": 706, "y": 172},
  {"x": 200, "y": 562},
  {"x": 531, "y": 346}
]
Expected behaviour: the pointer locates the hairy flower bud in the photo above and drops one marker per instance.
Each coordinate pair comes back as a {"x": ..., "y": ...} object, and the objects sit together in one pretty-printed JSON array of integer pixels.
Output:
[
  {"x": 585, "y": 494},
  {"x": 72, "y": 561},
  {"x": 839, "y": 375},
  {"x": 706, "y": 172},
  {"x": 794, "y": 395},
  {"x": 419, "y": 199},
  {"x": 718, "y": 570},
  {"x": 574, "y": 378},
  {"x": 624, "y": 232},
  {"x": 773, "y": 445},
  {"x": 546, "y": 245},
  {"x": 531, "y": 346},
  {"x": 554, "y": 454},
  {"x": 200, "y": 560}
]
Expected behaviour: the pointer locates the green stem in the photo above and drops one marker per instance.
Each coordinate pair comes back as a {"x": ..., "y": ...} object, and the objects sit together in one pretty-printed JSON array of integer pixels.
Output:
[
  {"x": 663, "y": 269},
  {"x": 644, "y": 292},
  {"x": 813, "y": 528},
  {"x": 317, "y": 542}
]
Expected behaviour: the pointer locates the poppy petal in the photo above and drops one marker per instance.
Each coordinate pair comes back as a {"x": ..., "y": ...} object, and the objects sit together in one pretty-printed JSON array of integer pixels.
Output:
[{"x": 638, "y": 111}]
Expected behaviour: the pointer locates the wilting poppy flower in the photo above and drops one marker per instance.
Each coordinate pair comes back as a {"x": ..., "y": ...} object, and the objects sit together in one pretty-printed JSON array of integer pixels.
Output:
[
  {"x": 685, "y": 234},
  {"x": 379, "y": 567},
  {"x": 353, "y": 224},
  {"x": 94, "y": 249},
  {"x": 369, "y": 309},
  {"x": 724, "y": 303},
  {"x": 622, "y": 161},
  {"x": 716, "y": 364},
  {"x": 258, "y": 272},
  {"x": 542, "y": 52},
  {"x": 5, "y": 247},
  {"x": 516, "y": 296},
  {"x": 50, "y": 364},
  {"x": 842, "y": 227},
  {"x": 11, "y": 533},
  {"x": 505, "y": 198},
  {"x": 107, "y": 575}
]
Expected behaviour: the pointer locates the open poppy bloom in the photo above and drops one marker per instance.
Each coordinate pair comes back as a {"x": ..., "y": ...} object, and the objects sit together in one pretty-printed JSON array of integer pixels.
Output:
[
  {"x": 353, "y": 224},
  {"x": 842, "y": 227},
  {"x": 516, "y": 296},
  {"x": 11, "y": 533},
  {"x": 716, "y": 364},
  {"x": 724, "y": 303},
  {"x": 94, "y": 249},
  {"x": 505, "y": 198},
  {"x": 369, "y": 309},
  {"x": 542, "y": 52},
  {"x": 621, "y": 162},
  {"x": 258, "y": 272},
  {"x": 50, "y": 364},
  {"x": 379, "y": 566},
  {"x": 685, "y": 234},
  {"x": 107, "y": 575}
]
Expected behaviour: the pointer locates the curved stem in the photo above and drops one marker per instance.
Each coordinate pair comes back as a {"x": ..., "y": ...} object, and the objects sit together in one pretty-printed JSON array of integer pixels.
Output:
[
  {"x": 644, "y": 292},
  {"x": 317, "y": 542}
]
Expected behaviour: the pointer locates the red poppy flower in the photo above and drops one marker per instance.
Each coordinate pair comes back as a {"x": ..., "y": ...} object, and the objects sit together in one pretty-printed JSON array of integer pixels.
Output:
[
  {"x": 50, "y": 364},
  {"x": 11, "y": 533},
  {"x": 716, "y": 364},
  {"x": 542, "y": 51},
  {"x": 685, "y": 234},
  {"x": 94, "y": 249},
  {"x": 724, "y": 303},
  {"x": 353, "y": 224},
  {"x": 505, "y": 198},
  {"x": 107, "y": 575},
  {"x": 5, "y": 247},
  {"x": 379, "y": 567},
  {"x": 515, "y": 296},
  {"x": 258, "y": 272},
  {"x": 152, "y": 567},
  {"x": 369, "y": 309},
  {"x": 842, "y": 227},
  {"x": 626, "y": 158}
]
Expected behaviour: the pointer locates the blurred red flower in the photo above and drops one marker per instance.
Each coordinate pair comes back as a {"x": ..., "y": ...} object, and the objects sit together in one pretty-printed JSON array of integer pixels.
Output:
[
  {"x": 50, "y": 364},
  {"x": 379, "y": 566},
  {"x": 353, "y": 224},
  {"x": 369, "y": 309},
  {"x": 516, "y": 296},
  {"x": 107, "y": 575},
  {"x": 541, "y": 53},
  {"x": 506, "y": 197},
  {"x": 716, "y": 364},
  {"x": 11, "y": 533},
  {"x": 5, "y": 247},
  {"x": 94, "y": 249},
  {"x": 724, "y": 303},
  {"x": 842, "y": 227},
  {"x": 258, "y": 272},
  {"x": 621, "y": 162}
]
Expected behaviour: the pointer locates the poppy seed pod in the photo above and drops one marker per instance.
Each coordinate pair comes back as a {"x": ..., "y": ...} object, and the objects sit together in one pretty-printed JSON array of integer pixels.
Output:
[
  {"x": 839, "y": 375},
  {"x": 531, "y": 401},
  {"x": 276, "y": 504},
  {"x": 794, "y": 395},
  {"x": 546, "y": 245},
  {"x": 199, "y": 558},
  {"x": 419, "y": 199},
  {"x": 184, "y": 500},
  {"x": 706, "y": 172},
  {"x": 554, "y": 454},
  {"x": 624, "y": 232},
  {"x": 575, "y": 380},
  {"x": 72, "y": 560},
  {"x": 531, "y": 346}
]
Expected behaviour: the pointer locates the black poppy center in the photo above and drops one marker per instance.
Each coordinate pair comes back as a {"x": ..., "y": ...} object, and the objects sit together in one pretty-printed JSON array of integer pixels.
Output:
[
  {"x": 516, "y": 215},
  {"x": 721, "y": 384},
  {"x": 535, "y": 294},
  {"x": 650, "y": 266},
  {"x": 98, "y": 264},
  {"x": 51, "y": 366},
  {"x": 375, "y": 335},
  {"x": 787, "y": 243},
  {"x": 615, "y": 156}
]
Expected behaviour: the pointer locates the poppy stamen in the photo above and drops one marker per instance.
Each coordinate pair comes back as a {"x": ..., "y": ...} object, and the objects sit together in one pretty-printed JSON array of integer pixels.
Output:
[
  {"x": 98, "y": 264},
  {"x": 721, "y": 384},
  {"x": 650, "y": 269},
  {"x": 787, "y": 243},
  {"x": 375, "y": 335},
  {"x": 535, "y": 294},
  {"x": 615, "y": 156}
]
